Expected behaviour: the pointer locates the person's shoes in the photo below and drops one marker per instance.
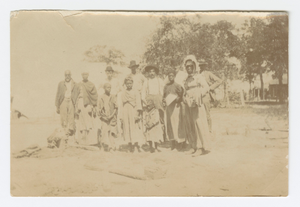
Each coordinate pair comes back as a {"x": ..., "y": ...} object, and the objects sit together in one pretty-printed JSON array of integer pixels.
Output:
[
  {"x": 152, "y": 150},
  {"x": 134, "y": 151},
  {"x": 204, "y": 152},
  {"x": 198, "y": 153},
  {"x": 190, "y": 152},
  {"x": 130, "y": 148},
  {"x": 158, "y": 150},
  {"x": 172, "y": 145},
  {"x": 180, "y": 147}
]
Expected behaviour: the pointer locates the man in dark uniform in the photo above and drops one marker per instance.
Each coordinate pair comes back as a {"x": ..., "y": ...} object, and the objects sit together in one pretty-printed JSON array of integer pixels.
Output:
[{"x": 213, "y": 82}]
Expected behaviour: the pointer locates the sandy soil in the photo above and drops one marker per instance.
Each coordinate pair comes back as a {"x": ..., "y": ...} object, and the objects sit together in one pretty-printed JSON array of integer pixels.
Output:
[{"x": 245, "y": 160}]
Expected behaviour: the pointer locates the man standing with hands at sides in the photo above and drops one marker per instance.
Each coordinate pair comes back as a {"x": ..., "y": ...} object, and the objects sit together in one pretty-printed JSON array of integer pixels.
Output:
[
  {"x": 115, "y": 89},
  {"x": 213, "y": 82},
  {"x": 107, "y": 112},
  {"x": 86, "y": 103},
  {"x": 114, "y": 82},
  {"x": 153, "y": 90},
  {"x": 138, "y": 78},
  {"x": 65, "y": 102}
]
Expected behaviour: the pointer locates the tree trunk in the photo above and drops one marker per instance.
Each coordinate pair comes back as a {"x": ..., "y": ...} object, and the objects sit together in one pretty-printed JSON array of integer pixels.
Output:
[
  {"x": 250, "y": 94},
  {"x": 280, "y": 95},
  {"x": 261, "y": 85},
  {"x": 226, "y": 93},
  {"x": 242, "y": 97}
]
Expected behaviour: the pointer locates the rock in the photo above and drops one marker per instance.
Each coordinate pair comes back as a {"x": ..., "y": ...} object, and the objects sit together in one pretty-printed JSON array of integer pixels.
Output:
[
  {"x": 27, "y": 152},
  {"x": 57, "y": 139}
]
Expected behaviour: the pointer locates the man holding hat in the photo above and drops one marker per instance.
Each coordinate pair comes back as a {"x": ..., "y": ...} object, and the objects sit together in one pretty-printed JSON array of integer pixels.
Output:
[
  {"x": 213, "y": 82},
  {"x": 153, "y": 89}
]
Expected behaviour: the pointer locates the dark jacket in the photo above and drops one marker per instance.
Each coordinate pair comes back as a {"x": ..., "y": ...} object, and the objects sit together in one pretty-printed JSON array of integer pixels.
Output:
[{"x": 61, "y": 90}]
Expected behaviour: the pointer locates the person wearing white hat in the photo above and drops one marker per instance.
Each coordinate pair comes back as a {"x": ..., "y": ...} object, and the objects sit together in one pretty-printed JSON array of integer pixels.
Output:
[{"x": 195, "y": 117}]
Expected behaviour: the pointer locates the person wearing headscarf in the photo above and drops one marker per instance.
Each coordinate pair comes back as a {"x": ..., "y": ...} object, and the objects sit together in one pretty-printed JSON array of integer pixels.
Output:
[
  {"x": 195, "y": 88},
  {"x": 180, "y": 75},
  {"x": 130, "y": 116},
  {"x": 86, "y": 103},
  {"x": 172, "y": 99},
  {"x": 107, "y": 112}
]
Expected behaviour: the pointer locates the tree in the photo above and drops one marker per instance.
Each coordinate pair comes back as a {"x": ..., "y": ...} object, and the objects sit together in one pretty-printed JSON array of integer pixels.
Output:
[
  {"x": 169, "y": 44},
  {"x": 256, "y": 46},
  {"x": 277, "y": 40},
  {"x": 104, "y": 54},
  {"x": 225, "y": 46}
]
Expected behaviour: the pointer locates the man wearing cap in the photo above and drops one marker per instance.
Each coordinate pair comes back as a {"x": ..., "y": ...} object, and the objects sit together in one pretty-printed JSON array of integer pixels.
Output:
[
  {"x": 114, "y": 82},
  {"x": 213, "y": 82},
  {"x": 65, "y": 102},
  {"x": 138, "y": 78},
  {"x": 153, "y": 89}
]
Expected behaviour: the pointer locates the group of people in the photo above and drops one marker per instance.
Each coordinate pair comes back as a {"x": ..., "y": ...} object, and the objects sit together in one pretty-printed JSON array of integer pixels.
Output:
[{"x": 141, "y": 109}]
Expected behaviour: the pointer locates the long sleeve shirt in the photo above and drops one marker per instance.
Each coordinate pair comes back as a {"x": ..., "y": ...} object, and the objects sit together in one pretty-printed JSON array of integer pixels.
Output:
[
  {"x": 154, "y": 86},
  {"x": 213, "y": 81}
]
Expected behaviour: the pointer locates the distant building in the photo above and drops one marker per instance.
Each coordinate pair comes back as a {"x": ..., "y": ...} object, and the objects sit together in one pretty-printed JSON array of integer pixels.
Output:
[
  {"x": 271, "y": 88},
  {"x": 274, "y": 88}
]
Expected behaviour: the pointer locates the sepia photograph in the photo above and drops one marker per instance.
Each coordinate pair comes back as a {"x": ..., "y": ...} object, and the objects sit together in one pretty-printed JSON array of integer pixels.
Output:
[{"x": 149, "y": 104}]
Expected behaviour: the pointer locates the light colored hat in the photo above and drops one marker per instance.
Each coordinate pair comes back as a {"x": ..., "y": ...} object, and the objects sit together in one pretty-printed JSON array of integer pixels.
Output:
[{"x": 193, "y": 59}]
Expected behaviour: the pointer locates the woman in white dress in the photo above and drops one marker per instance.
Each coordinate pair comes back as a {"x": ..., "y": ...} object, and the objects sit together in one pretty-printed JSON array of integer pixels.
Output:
[{"x": 195, "y": 88}]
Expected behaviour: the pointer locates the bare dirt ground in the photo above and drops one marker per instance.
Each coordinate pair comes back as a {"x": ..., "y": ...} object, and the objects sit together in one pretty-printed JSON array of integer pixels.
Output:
[{"x": 249, "y": 157}]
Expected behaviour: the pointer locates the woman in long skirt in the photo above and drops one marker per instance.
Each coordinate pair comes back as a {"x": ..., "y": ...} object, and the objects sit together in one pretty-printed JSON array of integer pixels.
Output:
[
  {"x": 196, "y": 87},
  {"x": 172, "y": 98},
  {"x": 130, "y": 111}
]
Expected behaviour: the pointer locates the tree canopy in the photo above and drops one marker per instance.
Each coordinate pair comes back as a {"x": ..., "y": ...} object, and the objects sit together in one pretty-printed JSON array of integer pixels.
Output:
[{"x": 262, "y": 46}]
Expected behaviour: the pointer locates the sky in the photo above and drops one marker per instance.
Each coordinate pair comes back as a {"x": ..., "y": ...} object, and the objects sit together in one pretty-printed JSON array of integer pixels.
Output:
[{"x": 46, "y": 43}]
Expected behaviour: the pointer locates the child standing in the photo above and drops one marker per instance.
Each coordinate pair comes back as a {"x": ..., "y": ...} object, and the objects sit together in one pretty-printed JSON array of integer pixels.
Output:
[
  {"x": 131, "y": 113},
  {"x": 107, "y": 111},
  {"x": 154, "y": 132}
]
